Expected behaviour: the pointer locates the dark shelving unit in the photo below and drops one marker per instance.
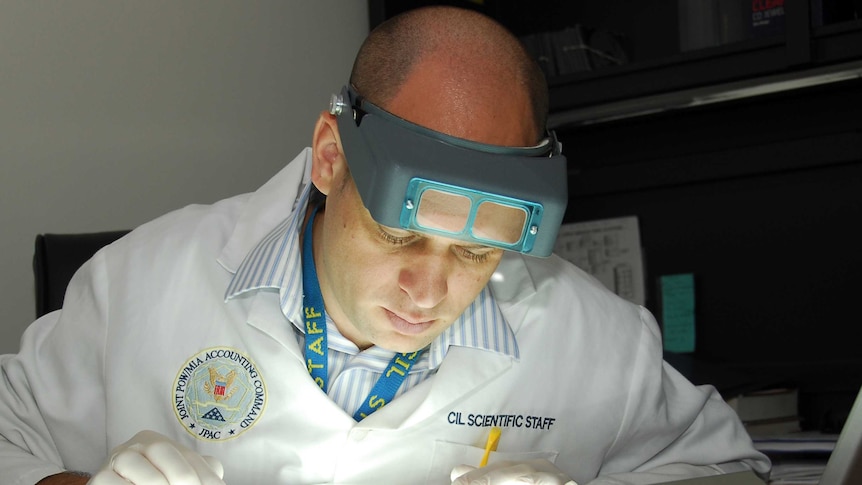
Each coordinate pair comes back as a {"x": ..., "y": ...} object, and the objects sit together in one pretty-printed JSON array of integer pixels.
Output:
[
  {"x": 743, "y": 163},
  {"x": 649, "y": 33}
]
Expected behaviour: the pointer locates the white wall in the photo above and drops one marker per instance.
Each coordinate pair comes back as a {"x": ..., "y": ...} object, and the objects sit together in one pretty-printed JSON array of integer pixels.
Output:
[{"x": 114, "y": 112}]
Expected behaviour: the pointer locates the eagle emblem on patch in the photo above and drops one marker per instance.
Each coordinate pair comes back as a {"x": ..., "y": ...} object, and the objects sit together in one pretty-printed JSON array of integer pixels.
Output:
[{"x": 218, "y": 394}]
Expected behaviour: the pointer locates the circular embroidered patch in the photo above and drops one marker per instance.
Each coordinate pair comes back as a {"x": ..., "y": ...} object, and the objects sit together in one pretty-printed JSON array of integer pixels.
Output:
[{"x": 219, "y": 394}]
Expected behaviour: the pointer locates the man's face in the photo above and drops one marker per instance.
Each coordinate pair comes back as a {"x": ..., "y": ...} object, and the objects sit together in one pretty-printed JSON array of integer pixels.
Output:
[
  {"x": 397, "y": 289},
  {"x": 393, "y": 288}
]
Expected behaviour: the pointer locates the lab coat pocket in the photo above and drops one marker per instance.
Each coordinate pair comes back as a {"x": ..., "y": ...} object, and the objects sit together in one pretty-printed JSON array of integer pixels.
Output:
[{"x": 447, "y": 455}]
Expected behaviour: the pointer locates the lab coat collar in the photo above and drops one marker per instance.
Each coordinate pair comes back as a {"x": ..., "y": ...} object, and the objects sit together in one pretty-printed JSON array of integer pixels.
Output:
[
  {"x": 276, "y": 263},
  {"x": 265, "y": 209},
  {"x": 481, "y": 326},
  {"x": 511, "y": 284}
]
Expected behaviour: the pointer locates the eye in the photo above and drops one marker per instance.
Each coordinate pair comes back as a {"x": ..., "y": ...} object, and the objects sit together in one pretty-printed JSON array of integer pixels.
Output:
[
  {"x": 393, "y": 239},
  {"x": 478, "y": 255}
]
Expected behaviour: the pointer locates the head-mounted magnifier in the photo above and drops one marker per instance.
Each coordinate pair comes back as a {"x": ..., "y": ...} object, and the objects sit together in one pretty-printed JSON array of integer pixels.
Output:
[{"x": 417, "y": 179}]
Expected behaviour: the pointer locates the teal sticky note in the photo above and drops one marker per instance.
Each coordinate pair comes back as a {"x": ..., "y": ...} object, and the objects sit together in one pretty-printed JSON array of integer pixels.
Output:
[{"x": 677, "y": 296}]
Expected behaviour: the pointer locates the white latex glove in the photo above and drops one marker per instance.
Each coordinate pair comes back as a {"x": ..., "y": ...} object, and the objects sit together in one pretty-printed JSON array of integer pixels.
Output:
[
  {"x": 150, "y": 458},
  {"x": 540, "y": 472}
]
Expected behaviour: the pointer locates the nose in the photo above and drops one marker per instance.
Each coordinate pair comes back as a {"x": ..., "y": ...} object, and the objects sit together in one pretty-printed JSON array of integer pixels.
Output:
[{"x": 425, "y": 280}]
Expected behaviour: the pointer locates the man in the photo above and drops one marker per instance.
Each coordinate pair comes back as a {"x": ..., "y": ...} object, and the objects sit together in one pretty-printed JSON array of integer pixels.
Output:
[{"x": 372, "y": 337}]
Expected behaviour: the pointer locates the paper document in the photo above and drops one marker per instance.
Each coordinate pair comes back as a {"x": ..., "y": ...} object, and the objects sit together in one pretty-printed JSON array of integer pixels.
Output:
[{"x": 610, "y": 250}]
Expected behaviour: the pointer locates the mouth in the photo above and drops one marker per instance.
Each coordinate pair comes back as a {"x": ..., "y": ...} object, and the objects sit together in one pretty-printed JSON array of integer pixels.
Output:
[{"x": 408, "y": 325}]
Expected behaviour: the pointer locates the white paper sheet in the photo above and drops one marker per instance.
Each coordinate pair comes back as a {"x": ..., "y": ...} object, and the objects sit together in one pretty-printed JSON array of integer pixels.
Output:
[{"x": 608, "y": 249}]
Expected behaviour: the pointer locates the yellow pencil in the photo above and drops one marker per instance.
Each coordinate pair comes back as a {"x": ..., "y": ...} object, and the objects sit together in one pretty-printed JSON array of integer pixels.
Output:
[{"x": 491, "y": 444}]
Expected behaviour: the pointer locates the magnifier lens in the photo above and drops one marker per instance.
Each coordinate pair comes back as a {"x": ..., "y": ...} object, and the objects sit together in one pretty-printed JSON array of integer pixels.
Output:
[
  {"x": 499, "y": 222},
  {"x": 443, "y": 211}
]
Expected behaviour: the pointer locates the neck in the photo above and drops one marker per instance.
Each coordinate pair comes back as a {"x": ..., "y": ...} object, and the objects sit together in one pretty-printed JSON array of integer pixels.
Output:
[{"x": 342, "y": 323}]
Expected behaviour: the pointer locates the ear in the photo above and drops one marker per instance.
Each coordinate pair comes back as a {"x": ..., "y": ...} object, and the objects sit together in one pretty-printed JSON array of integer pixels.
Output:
[{"x": 327, "y": 158}]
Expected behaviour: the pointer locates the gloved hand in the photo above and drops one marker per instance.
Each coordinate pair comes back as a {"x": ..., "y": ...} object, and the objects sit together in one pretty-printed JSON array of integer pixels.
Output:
[
  {"x": 540, "y": 472},
  {"x": 151, "y": 458}
]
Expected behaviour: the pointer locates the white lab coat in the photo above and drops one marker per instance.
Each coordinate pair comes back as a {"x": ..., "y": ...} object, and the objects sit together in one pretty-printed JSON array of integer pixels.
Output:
[{"x": 589, "y": 392}]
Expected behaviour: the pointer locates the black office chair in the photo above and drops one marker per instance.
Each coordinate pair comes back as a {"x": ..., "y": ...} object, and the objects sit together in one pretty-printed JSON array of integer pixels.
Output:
[{"x": 56, "y": 259}]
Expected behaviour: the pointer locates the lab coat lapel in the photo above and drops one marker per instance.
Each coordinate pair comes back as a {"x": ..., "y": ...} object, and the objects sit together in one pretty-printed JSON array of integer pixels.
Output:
[
  {"x": 463, "y": 372},
  {"x": 514, "y": 285}
]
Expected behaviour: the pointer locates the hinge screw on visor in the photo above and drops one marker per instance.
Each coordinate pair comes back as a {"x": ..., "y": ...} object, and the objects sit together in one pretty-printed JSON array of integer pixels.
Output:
[{"x": 336, "y": 104}]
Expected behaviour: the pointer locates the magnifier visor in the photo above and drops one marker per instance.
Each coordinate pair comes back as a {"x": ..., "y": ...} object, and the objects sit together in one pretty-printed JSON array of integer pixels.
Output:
[
  {"x": 462, "y": 213},
  {"x": 417, "y": 179}
]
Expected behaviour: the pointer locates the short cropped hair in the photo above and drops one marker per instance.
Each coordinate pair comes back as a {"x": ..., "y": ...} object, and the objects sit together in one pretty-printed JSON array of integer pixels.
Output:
[{"x": 393, "y": 49}]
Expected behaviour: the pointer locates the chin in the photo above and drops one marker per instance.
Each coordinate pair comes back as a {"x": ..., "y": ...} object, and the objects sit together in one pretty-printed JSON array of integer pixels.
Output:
[{"x": 405, "y": 345}]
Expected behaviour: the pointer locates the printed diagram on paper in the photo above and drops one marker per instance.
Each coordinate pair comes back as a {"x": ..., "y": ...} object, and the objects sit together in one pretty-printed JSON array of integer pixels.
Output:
[{"x": 608, "y": 249}]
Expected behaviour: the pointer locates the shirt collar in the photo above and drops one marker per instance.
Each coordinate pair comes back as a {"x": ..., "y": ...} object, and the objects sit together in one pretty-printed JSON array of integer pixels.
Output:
[{"x": 276, "y": 263}]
